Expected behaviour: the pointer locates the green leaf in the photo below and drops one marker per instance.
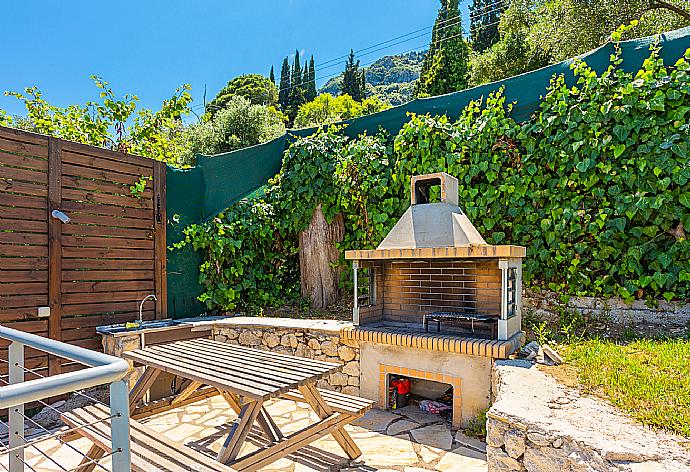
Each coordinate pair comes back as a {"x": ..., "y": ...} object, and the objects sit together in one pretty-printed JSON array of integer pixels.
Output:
[{"x": 618, "y": 149}]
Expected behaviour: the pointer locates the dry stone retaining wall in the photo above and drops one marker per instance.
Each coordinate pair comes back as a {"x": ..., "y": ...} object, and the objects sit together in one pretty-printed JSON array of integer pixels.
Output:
[
  {"x": 538, "y": 425},
  {"x": 612, "y": 314},
  {"x": 312, "y": 339}
]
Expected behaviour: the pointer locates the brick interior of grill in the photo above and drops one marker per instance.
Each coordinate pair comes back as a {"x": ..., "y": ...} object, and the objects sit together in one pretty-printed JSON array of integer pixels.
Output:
[{"x": 407, "y": 290}]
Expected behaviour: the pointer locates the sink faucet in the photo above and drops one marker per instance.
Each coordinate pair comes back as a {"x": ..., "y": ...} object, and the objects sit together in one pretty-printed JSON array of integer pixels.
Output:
[{"x": 141, "y": 306}]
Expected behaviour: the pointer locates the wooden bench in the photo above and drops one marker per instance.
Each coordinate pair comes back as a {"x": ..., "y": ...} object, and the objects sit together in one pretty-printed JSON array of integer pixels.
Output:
[
  {"x": 338, "y": 402},
  {"x": 150, "y": 450}
]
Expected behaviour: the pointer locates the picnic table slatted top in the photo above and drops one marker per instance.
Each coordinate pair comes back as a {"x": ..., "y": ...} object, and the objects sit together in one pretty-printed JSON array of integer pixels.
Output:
[{"x": 259, "y": 375}]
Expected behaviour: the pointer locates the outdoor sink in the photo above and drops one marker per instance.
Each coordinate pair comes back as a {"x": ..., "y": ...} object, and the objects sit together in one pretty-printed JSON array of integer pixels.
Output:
[{"x": 135, "y": 326}]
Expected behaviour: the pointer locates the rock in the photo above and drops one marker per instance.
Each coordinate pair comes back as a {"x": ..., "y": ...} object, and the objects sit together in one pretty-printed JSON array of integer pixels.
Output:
[
  {"x": 352, "y": 369},
  {"x": 494, "y": 432},
  {"x": 289, "y": 340},
  {"x": 354, "y": 381},
  {"x": 350, "y": 342},
  {"x": 220, "y": 338},
  {"x": 538, "y": 439},
  {"x": 544, "y": 459},
  {"x": 551, "y": 353},
  {"x": 514, "y": 440},
  {"x": 338, "y": 378},
  {"x": 346, "y": 353},
  {"x": 323, "y": 383},
  {"x": 558, "y": 442},
  {"x": 304, "y": 351},
  {"x": 271, "y": 340},
  {"x": 248, "y": 339},
  {"x": 231, "y": 333},
  {"x": 499, "y": 461},
  {"x": 530, "y": 350},
  {"x": 350, "y": 390},
  {"x": 329, "y": 349},
  {"x": 314, "y": 344},
  {"x": 436, "y": 435}
]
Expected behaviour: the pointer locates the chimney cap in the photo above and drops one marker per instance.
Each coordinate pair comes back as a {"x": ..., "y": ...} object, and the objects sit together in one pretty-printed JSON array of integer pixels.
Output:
[{"x": 420, "y": 184}]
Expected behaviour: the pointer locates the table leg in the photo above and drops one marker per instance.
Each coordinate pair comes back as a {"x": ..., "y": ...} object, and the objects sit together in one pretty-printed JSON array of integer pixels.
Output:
[
  {"x": 263, "y": 418},
  {"x": 186, "y": 392},
  {"x": 319, "y": 405},
  {"x": 90, "y": 462},
  {"x": 239, "y": 431},
  {"x": 142, "y": 386}
]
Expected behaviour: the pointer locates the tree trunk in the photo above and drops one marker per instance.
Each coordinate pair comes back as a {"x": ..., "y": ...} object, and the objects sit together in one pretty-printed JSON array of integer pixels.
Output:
[{"x": 317, "y": 253}]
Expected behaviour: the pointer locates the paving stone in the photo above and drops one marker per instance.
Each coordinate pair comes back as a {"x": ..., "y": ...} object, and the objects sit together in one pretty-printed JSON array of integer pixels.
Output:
[
  {"x": 375, "y": 420},
  {"x": 413, "y": 413},
  {"x": 472, "y": 443},
  {"x": 456, "y": 461},
  {"x": 388, "y": 451},
  {"x": 400, "y": 426},
  {"x": 429, "y": 454},
  {"x": 436, "y": 435}
]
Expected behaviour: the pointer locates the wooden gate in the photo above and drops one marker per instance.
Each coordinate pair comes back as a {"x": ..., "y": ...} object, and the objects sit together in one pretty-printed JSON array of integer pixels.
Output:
[{"x": 63, "y": 279}]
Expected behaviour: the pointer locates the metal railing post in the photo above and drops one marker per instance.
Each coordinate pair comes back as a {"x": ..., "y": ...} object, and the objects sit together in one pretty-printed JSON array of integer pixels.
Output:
[
  {"x": 119, "y": 410},
  {"x": 16, "y": 413}
]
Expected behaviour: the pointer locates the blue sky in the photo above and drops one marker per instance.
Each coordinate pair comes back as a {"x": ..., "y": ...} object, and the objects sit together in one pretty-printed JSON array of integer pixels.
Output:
[{"x": 149, "y": 47}]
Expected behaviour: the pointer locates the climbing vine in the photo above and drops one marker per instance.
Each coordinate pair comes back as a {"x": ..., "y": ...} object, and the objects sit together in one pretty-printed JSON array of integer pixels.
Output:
[{"x": 595, "y": 185}]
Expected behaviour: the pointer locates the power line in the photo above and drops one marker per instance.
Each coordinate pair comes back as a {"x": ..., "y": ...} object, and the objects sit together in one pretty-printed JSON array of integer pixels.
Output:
[{"x": 389, "y": 40}]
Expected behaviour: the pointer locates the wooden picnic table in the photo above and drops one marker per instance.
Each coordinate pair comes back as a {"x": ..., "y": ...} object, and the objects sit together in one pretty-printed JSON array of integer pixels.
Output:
[{"x": 247, "y": 378}]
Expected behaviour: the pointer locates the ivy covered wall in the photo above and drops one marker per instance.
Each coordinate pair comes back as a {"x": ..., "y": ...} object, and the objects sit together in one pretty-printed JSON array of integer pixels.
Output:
[{"x": 594, "y": 184}]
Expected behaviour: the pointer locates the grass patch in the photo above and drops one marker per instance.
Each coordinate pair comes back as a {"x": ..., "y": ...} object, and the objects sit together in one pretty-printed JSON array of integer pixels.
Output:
[{"x": 647, "y": 378}]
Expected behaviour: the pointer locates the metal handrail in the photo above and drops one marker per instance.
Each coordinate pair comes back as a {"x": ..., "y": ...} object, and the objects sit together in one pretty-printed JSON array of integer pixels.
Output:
[{"x": 102, "y": 369}]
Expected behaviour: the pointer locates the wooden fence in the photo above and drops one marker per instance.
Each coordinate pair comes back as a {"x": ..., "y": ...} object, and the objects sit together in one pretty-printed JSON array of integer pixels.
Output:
[{"x": 93, "y": 270}]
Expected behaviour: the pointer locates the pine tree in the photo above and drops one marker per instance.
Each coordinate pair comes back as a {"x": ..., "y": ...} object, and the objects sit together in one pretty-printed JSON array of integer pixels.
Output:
[
  {"x": 484, "y": 16},
  {"x": 284, "y": 87},
  {"x": 352, "y": 80},
  {"x": 446, "y": 64},
  {"x": 272, "y": 76},
  {"x": 311, "y": 86}
]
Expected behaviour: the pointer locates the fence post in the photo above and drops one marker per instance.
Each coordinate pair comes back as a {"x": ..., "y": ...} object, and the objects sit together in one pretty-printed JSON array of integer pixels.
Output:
[
  {"x": 119, "y": 410},
  {"x": 16, "y": 413},
  {"x": 54, "y": 250}
]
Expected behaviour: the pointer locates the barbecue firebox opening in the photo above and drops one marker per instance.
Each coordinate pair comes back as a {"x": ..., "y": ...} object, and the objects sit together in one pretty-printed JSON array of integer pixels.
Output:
[{"x": 426, "y": 395}]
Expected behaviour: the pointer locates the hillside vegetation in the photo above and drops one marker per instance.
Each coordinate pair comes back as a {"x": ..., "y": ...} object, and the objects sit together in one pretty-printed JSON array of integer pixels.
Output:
[{"x": 391, "y": 78}]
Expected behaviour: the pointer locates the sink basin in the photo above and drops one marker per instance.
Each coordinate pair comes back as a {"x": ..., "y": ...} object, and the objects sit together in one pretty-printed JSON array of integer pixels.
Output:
[{"x": 135, "y": 326}]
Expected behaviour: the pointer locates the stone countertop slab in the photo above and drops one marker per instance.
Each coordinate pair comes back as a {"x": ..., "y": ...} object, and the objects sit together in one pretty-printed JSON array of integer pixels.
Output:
[{"x": 330, "y": 326}]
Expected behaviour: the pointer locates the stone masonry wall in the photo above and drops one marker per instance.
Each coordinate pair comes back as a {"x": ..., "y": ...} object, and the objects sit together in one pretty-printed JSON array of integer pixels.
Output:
[
  {"x": 612, "y": 314},
  {"x": 312, "y": 339},
  {"x": 538, "y": 425}
]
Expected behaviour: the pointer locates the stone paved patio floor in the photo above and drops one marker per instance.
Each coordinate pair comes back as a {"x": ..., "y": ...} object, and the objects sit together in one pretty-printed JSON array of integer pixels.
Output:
[{"x": 406, "y": 441}]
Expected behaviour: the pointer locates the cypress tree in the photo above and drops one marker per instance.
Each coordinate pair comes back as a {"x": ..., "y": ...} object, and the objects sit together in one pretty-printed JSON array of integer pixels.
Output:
[
  {"x": 296, "y": 97},
  {"x": 484, "y": 16},
  {"x": 272, "y": 76},
  {"x": 363, "y": 86},
  {"x": 352, "y": 80},
  {"x": 284, "y": 87},
  {"x": 446, "y": 64},
  {"x": 305, "y": 83},
  {"x": 311, "y": 88}
]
